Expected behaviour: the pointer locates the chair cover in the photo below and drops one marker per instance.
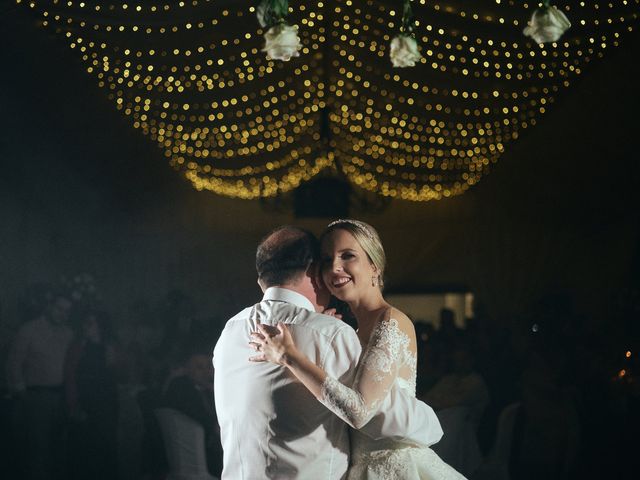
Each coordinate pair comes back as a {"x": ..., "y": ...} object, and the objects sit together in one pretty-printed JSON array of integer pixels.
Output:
[{"x": 185, "y": 446}]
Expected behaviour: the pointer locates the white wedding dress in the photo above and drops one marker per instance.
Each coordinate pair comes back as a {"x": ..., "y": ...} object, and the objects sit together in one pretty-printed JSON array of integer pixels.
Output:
[{"x": 387, "y": 362}]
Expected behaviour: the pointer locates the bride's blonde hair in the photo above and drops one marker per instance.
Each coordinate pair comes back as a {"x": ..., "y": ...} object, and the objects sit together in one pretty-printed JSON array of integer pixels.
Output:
[{"x": 367, "y": 237}]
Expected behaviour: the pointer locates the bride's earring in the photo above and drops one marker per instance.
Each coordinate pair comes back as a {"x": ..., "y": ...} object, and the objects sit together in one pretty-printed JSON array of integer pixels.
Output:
[{"x": 373, "y": 281}]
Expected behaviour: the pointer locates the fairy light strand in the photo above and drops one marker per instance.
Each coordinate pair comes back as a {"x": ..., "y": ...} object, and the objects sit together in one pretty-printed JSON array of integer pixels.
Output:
[{"x": 191, "y": 77}]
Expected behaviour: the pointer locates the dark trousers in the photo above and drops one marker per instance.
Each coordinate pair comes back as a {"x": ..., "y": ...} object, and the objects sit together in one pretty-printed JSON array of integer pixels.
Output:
[{"x": 42, "y": 413}]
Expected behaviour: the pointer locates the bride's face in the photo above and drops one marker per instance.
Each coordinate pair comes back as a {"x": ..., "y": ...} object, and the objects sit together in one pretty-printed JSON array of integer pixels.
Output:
[{"x": 346, "y": 269}]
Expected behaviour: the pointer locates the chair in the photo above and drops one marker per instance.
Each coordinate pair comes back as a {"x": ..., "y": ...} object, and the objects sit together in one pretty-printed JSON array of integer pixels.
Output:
[
  {"x": 184, "y": 444},
  {"x": 496, "y": 466},
  {"x": 459, "y": 445}
]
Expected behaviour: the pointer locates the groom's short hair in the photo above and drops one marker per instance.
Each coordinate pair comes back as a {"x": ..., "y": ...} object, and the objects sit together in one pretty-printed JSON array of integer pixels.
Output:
[{"x": 285, "y": 254}]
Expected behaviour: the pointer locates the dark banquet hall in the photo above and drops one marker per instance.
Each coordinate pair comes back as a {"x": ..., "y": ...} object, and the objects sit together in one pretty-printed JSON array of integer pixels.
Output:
[{"x": 148, "y": 148}]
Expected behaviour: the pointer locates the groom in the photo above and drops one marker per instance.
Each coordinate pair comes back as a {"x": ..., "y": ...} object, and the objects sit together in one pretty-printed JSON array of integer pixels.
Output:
[{"x": 271, "y": 426}]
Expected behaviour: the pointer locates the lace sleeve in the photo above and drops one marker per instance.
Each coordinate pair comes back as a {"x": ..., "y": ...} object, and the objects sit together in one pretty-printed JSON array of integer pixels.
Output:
[{"x": 376, "y": 374}]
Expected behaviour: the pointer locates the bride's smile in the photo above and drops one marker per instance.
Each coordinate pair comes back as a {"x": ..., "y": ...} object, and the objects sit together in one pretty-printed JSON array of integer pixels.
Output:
[{"x": 341, "y": 281}]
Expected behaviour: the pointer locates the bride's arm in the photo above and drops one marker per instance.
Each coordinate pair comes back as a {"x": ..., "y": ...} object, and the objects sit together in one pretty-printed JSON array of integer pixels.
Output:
[
  {"x": 276, "y": 345},
  {"x": 376, "y": 373}
]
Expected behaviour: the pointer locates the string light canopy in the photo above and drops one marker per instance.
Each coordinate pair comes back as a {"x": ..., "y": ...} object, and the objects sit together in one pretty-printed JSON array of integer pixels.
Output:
[{"x": 192, "y": 76}]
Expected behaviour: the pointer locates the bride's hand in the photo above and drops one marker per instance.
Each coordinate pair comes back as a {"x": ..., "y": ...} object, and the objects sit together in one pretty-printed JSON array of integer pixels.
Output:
[
  {"x": 274, "y": 345},
  {"x": 333, "y": 312}
]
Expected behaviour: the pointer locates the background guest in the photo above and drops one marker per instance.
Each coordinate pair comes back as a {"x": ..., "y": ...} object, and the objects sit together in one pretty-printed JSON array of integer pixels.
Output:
[
  {"x": 460, "y": 398},
  {"x": 192, "y": 394},
  {"x": 92, "y": 399},
  {"x": 35, "y": 368}
]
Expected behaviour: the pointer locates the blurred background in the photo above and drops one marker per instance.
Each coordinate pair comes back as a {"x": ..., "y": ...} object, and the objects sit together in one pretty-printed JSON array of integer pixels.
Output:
[{"x": 525, "y": 287}]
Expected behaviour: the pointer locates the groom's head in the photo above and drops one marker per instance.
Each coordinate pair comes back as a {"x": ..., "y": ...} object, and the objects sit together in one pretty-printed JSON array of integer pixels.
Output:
[{"x": 288, "y": 257}]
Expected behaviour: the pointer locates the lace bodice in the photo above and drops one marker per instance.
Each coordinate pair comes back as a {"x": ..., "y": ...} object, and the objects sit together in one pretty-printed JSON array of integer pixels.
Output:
[{"x": 387, "y": 362}]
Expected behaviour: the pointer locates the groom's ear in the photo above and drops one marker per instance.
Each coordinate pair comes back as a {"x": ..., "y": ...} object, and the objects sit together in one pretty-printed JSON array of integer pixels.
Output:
[{"x": 261, "y": 284}]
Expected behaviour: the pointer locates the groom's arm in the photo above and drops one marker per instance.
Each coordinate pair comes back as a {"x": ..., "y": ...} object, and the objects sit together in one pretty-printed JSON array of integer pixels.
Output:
[{"x": 406, "y": 419}]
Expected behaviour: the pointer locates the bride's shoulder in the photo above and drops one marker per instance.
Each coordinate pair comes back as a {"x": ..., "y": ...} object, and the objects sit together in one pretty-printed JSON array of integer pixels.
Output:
[
  {"x": 399, "y": 320},
  {"x": 396, "y": 328}
]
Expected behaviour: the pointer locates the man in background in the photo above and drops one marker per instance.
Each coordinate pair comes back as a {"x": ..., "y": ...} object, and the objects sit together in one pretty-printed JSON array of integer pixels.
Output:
[{"x": 35, "y": 377}]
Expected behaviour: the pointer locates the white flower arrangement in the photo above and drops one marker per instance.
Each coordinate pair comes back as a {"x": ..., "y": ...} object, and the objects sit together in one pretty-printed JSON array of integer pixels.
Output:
[
  {"x": 281, "y": 41},
  {"x": 404, "y": 51},
  {"x": 81, "y": 288},
  {"x": 547, "y": 24}
]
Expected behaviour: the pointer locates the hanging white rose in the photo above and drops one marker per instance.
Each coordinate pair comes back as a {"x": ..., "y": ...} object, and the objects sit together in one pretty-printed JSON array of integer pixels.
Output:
[
  {"x": 282, "y": 42},
  {"x": 547, "y": 24},
  {"x": 404, "y": 51}
]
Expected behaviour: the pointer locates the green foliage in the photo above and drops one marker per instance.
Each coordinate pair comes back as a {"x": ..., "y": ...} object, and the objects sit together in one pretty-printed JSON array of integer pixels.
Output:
[
  {"x": 272, "y": 12},
  {"x": 408, "y": 20}
]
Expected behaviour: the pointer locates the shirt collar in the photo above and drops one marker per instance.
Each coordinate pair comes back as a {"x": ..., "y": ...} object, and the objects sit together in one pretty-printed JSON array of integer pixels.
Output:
[{"x": 280, "y": 294}]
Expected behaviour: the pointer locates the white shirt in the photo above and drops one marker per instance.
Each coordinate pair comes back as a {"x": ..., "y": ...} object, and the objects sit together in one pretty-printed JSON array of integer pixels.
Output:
[
  {"x": 36, "y": 356},
  {"x": 271, "y": 426}
]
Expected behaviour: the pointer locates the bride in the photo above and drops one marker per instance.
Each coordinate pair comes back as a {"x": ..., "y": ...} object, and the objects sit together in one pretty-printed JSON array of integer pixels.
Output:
[{"x": 353, "y": 262}]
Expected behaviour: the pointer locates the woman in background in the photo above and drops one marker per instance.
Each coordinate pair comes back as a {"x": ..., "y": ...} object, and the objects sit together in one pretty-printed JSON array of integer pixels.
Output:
[{"x": 92, "y": 400}]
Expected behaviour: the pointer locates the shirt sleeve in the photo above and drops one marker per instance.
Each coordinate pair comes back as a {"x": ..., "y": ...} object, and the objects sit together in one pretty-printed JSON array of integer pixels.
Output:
[
  {"x": 341, "y": 355},
  {"x": 375, "y": 376},
  {"x": 17, "y": 356}
]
